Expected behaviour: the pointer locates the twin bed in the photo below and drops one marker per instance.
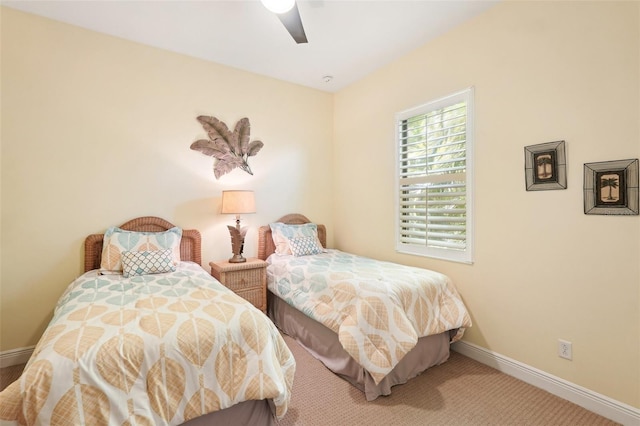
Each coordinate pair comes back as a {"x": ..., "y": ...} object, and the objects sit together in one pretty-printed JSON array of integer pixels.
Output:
[
  {"x": 147, "y": 336},
  {"x": 166, "y": 345},
  {"x": 376, "y": 324}
]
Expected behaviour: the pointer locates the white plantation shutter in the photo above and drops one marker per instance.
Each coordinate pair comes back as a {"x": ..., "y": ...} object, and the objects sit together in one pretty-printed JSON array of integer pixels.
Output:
[{"x": 434, "y": 163}]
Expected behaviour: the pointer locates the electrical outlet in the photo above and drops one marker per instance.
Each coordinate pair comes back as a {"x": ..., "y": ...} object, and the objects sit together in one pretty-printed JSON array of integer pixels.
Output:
[{"x": 564, "y": 349}]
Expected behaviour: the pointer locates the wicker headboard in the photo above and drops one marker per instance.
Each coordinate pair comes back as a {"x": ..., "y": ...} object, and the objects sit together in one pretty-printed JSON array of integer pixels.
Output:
[
  {"x": 266, "y": 247},
  {"x": 190, "y": 245}
]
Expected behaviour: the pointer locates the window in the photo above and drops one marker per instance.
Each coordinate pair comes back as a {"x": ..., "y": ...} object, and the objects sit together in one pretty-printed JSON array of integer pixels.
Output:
[{"x": 434, "y": 211}]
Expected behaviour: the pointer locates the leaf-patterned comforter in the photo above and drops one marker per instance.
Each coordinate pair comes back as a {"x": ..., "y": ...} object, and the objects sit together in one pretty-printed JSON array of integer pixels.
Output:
[
  {"x": 149, "y": 350},
  {"x": 378, "y": 309}
]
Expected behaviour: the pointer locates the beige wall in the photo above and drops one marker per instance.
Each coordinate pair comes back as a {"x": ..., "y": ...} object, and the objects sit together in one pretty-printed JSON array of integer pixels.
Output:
[
  {"x": 96, "y": 131},
  {"x": 81, "y": 110},
  {"x": 542, "y": 71}
]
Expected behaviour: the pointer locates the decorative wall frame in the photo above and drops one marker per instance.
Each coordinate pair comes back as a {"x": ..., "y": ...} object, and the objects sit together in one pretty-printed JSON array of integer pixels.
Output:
[
  {"x": 545, "y": 166},
  {"x": 611, "y": 187}
]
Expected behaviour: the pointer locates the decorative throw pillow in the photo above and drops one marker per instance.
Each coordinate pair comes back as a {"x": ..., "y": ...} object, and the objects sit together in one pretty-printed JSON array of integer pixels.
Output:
[
  {"x": 117, "y": 241},
  {"x": 283, "y": 233},
  {"x": 304, "y": 246},
  {"x": 147, "y": 262}
]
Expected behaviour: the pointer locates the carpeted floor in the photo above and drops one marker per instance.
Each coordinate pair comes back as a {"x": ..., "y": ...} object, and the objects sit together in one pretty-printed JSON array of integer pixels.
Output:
[
  {"x": 9, "y": 375},
  {"x": 459, "y": 392}
]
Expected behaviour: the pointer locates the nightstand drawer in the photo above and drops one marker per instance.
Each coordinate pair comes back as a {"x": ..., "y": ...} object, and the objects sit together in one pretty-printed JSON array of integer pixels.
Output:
[
  {"x": 255, "y": 296},
  {"x": 240, "y": 280},
  {"x": 247, "y": 279}
]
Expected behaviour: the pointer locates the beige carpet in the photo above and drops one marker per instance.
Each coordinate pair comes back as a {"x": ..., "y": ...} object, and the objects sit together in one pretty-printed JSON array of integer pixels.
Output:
[
  {"x": 459, "y": 392},
  {"x": 9, "y": 375}
]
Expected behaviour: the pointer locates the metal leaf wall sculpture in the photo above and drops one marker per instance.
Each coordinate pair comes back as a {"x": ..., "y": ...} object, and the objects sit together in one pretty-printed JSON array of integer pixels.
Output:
[{"x": 230, "y": 149}]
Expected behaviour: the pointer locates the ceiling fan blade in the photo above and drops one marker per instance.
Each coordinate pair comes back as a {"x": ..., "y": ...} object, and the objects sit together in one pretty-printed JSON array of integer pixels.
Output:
[{"x": 293, "y": 23}]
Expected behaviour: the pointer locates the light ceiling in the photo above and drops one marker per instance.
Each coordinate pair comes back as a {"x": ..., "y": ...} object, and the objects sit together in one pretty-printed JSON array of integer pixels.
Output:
[{"x": 347, "y": 39}]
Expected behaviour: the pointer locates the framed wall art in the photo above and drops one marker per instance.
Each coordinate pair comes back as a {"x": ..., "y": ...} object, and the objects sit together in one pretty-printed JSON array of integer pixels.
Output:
[
  {"x": 611, "y": 187},
  {"x": 545, "y": 166}
]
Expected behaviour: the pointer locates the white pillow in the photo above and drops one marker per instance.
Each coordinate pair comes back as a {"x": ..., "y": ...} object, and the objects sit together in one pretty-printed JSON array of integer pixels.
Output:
[
  {"x": 283, "y": 233},
  {"x": 117, "y": 241}
]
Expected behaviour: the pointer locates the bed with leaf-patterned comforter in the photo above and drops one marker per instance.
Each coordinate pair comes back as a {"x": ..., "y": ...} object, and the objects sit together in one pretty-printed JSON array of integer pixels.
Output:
[
  {"x": 378, "y": 310},
  {"x": 150, "y": 350}
]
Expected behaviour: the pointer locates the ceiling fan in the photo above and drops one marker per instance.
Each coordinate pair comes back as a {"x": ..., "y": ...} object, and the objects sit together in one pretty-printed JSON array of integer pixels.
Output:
[{"x": 287, "y": 12}]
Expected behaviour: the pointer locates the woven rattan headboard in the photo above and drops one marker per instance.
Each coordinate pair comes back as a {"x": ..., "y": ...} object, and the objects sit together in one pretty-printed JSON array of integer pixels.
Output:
[
  {"x": 190, "y": 246},
  {"x": 265, "y": 241}
]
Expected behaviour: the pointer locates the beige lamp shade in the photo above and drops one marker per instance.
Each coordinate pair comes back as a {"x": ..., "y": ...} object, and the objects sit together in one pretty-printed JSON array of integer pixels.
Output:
[{"x": 238, "y": 202}]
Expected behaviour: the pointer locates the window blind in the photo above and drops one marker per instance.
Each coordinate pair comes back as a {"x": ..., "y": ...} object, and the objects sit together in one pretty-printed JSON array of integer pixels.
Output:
[{"x": 433, "y": 179}]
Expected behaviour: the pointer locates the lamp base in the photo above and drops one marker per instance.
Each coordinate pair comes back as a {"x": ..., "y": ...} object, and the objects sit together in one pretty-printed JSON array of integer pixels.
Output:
[
  {"x": 237, "y": 242},
  {"x": 237, "y": 258}
]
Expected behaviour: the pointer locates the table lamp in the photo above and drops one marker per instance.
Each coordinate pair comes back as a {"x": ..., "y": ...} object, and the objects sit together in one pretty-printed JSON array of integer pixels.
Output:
[{"x": 237, "y": 202}]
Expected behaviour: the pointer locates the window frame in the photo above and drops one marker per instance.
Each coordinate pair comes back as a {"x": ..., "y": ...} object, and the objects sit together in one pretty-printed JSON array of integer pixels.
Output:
[{"x": 465, "y": 255}]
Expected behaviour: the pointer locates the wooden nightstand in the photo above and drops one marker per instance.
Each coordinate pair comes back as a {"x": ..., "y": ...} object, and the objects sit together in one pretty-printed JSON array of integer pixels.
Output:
[{"x": 247, "y": 279}]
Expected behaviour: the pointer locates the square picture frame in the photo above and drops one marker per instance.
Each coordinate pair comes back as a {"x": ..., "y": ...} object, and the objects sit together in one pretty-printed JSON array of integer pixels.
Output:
[
  {"x": 545, "y": 166},
  {"x": 611, "y": 187}
]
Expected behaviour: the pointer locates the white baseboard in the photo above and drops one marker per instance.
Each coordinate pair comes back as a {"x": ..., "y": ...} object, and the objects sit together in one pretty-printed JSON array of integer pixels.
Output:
[
  {"x": 15, "y": 356},
  {"x": 592, "y": 401}
]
